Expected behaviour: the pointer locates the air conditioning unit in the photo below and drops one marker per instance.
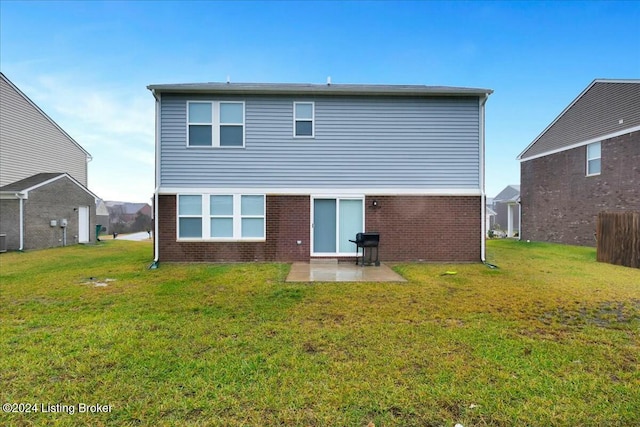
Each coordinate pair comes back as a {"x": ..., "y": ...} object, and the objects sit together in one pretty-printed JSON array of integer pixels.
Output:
[{"x": 3, "y": 243}]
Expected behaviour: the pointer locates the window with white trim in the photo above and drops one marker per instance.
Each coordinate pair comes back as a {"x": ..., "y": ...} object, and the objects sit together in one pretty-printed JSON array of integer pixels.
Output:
[
  {"x": 199, "y": 124},
  {"x": 593, "y": 159},
  {"x": 303, "y": 119},
  {"x": 215, "y": 123},
  {"x": 190, "y": 216},
  {"x": 221, "y": 217}
]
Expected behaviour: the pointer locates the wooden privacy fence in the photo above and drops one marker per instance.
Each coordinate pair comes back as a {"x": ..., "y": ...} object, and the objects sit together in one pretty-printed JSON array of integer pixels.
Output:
[{"x": 618, "y": 236}]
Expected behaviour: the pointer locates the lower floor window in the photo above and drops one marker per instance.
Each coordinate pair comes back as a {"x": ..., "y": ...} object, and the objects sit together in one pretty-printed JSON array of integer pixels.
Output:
[{"x": 221, "y": 216}]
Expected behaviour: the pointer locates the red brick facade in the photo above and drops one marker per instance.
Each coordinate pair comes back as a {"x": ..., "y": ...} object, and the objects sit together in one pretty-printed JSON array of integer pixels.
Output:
[
  {"x": 412, "y": 228},
  {"x": 560, "y": 203},
  {"x": 426, "y": 228}
]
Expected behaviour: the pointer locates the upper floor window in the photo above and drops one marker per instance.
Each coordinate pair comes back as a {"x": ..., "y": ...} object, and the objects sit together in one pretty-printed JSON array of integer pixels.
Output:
[
  {"x": 593, "y": 159},
  {"x": 215, "y": 124},
  {"x": 303, "y": 119}
]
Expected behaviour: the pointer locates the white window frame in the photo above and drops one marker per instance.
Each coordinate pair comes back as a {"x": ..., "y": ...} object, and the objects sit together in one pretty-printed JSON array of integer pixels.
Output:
[
  {"x": 337, "y": 198},
  {"x": 206, "y": 217},
  {"x": 189, "y": 123},
  {"x": 313, "y": 119},
  {"x": 593, "y": 158},
  {"x": 216, "y": 124},
  {"x": 179, "y": 216}
]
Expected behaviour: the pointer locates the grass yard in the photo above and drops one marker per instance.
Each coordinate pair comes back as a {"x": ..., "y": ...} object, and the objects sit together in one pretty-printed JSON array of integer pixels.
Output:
[{"x": 551, "y": 338}]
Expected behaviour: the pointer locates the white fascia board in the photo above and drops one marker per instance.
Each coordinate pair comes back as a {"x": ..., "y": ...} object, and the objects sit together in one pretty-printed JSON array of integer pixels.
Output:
[
  {"x": 582, "y": 143},
  {"x": 556, "y": 119},
  {"x": 62, "y": 175},
  {"x": 13, "y": 195},
  {"x": 324, "y": 191}
]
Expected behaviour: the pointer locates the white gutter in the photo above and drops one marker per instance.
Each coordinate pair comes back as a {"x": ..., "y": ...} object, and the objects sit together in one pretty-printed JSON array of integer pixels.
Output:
[
  {"x": 519, "y": 202},
  {"x": 156, "y": 244},
  {"x": 483, "y": 208},
  {"x": 21, "y": 196}
]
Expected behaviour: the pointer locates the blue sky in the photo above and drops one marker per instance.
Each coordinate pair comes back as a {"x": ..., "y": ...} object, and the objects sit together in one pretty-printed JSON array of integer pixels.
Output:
[{"x": 87, "y": 64}]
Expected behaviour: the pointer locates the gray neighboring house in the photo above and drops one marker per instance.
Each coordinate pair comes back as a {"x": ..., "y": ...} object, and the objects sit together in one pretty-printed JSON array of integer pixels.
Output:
[
  {"x": 507, "y": 208},
  {"x": 47, "y": 210},
  {"x": 291, "y": 172},
  {"x": 39, "y": 164},
  {"x": 585, "y": 162}
]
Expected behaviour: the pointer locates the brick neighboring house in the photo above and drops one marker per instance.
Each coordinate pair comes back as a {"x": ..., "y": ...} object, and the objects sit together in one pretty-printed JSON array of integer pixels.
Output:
[
  {"x": 41, "y": 167},
  {"x": 51, "y": 209},
  {"x": 507, "y": 208},
  {"x": 585, "y": 162},
  {"x": 291, "y": 172},
  {"x": 124, "y": 216}
]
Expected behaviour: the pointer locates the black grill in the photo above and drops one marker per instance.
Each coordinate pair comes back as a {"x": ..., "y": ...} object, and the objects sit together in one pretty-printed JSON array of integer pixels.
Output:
[{"x": 367, "y": 241}]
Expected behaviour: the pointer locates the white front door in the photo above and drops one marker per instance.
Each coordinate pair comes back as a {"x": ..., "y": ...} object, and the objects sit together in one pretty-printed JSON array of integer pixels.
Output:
[
  {"x": 335, "y": 221},
  {"x": 83, "y": 224}
]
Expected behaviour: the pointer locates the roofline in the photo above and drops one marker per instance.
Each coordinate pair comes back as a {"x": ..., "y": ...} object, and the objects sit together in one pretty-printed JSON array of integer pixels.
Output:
[
  {"x": 10, "y": 83},
  {"x": 582, "y": 143},
  {"x": 316, "y": 89},
  {"x": 49, "y": 181},
  {"x": 568, "y": 107}
]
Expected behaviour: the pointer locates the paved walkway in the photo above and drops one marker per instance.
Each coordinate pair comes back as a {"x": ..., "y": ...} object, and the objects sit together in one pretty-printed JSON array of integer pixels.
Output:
[
  {"x": 341, "y": 272},
  {"x": 142, "y": 235}
]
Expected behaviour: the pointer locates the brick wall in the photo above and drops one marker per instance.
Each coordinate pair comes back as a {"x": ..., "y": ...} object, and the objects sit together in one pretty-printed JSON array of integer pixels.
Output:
[
  {"x": 560, "y": 204},
  {"x": 287, "y": 222},
  {"x": 56, "y": 200},
  {"x": 426, "y": 228},
  {"x": 411, "y": 227},
  {"x": 10, "y": 222}
]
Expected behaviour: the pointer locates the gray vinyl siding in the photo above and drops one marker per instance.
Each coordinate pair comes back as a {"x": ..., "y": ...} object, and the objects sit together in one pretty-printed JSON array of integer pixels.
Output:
[
  {"x": 31, "y": 144},
  {"x": 595, "y": 114},
  {"x": 425, "y": 143}
]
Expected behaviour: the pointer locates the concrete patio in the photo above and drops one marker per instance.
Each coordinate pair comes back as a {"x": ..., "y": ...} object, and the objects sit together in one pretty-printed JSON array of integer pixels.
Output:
[{"x": 332, "y": 271}]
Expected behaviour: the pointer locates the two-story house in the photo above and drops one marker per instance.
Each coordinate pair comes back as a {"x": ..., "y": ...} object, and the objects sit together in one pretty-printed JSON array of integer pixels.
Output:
[
  {"x": 585, "y": 162},
  {"x": 506, "y": 205},
  {"x": 286, "y": 172},
  {"x": 44, "y": 199}
]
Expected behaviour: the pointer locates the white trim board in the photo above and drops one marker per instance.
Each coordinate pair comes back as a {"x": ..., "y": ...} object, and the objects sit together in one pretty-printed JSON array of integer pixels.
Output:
[
  {"x": 24, "y": 194},
  {"x": 580, "y": 144},
  {"x": 323, "y": 191}
]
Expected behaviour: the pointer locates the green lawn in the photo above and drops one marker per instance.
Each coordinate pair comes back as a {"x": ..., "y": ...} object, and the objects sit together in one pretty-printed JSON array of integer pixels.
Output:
[{"x": 551, "y": 338}]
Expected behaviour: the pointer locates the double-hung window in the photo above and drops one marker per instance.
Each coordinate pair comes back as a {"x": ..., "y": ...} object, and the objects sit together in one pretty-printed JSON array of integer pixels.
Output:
[
  {"x": 303, "y": 119},
  {"x": 593, "y": 159},
  {"x": 190, "y": 216},
  {"x": 215, "y": 123},
  {"x": 221, "y": 217},
  {"x": 200, "y": 124}
]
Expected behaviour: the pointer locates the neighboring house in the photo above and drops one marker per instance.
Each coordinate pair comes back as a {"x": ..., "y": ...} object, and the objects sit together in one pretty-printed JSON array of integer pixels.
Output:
[
  {"x": 37, "y": 157},
  {"x": 47, "y": 210},
  {"x": 286, "y": 172},
  {"x": 129, "y": 217},
  {"x": 102, "y": 216},
  {"x": 490, "y": 216},
  {"x": 585, "y": 162},
  {"x": 507, "y": 207}
]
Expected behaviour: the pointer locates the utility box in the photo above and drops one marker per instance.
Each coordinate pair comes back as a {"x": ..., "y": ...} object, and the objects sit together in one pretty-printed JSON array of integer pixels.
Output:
[
  {"x": 53, "y": 223},
  {"x": 63, "y": 222}
]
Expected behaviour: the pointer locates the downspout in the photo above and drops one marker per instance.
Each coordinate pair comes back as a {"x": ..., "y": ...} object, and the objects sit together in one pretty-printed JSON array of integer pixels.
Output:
[
  {"x": 156, "y": 244},
  {"x": 483, "y": 208},
  {"x": 21, "y": 197},
  {"x": 519, "y": 201}
]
